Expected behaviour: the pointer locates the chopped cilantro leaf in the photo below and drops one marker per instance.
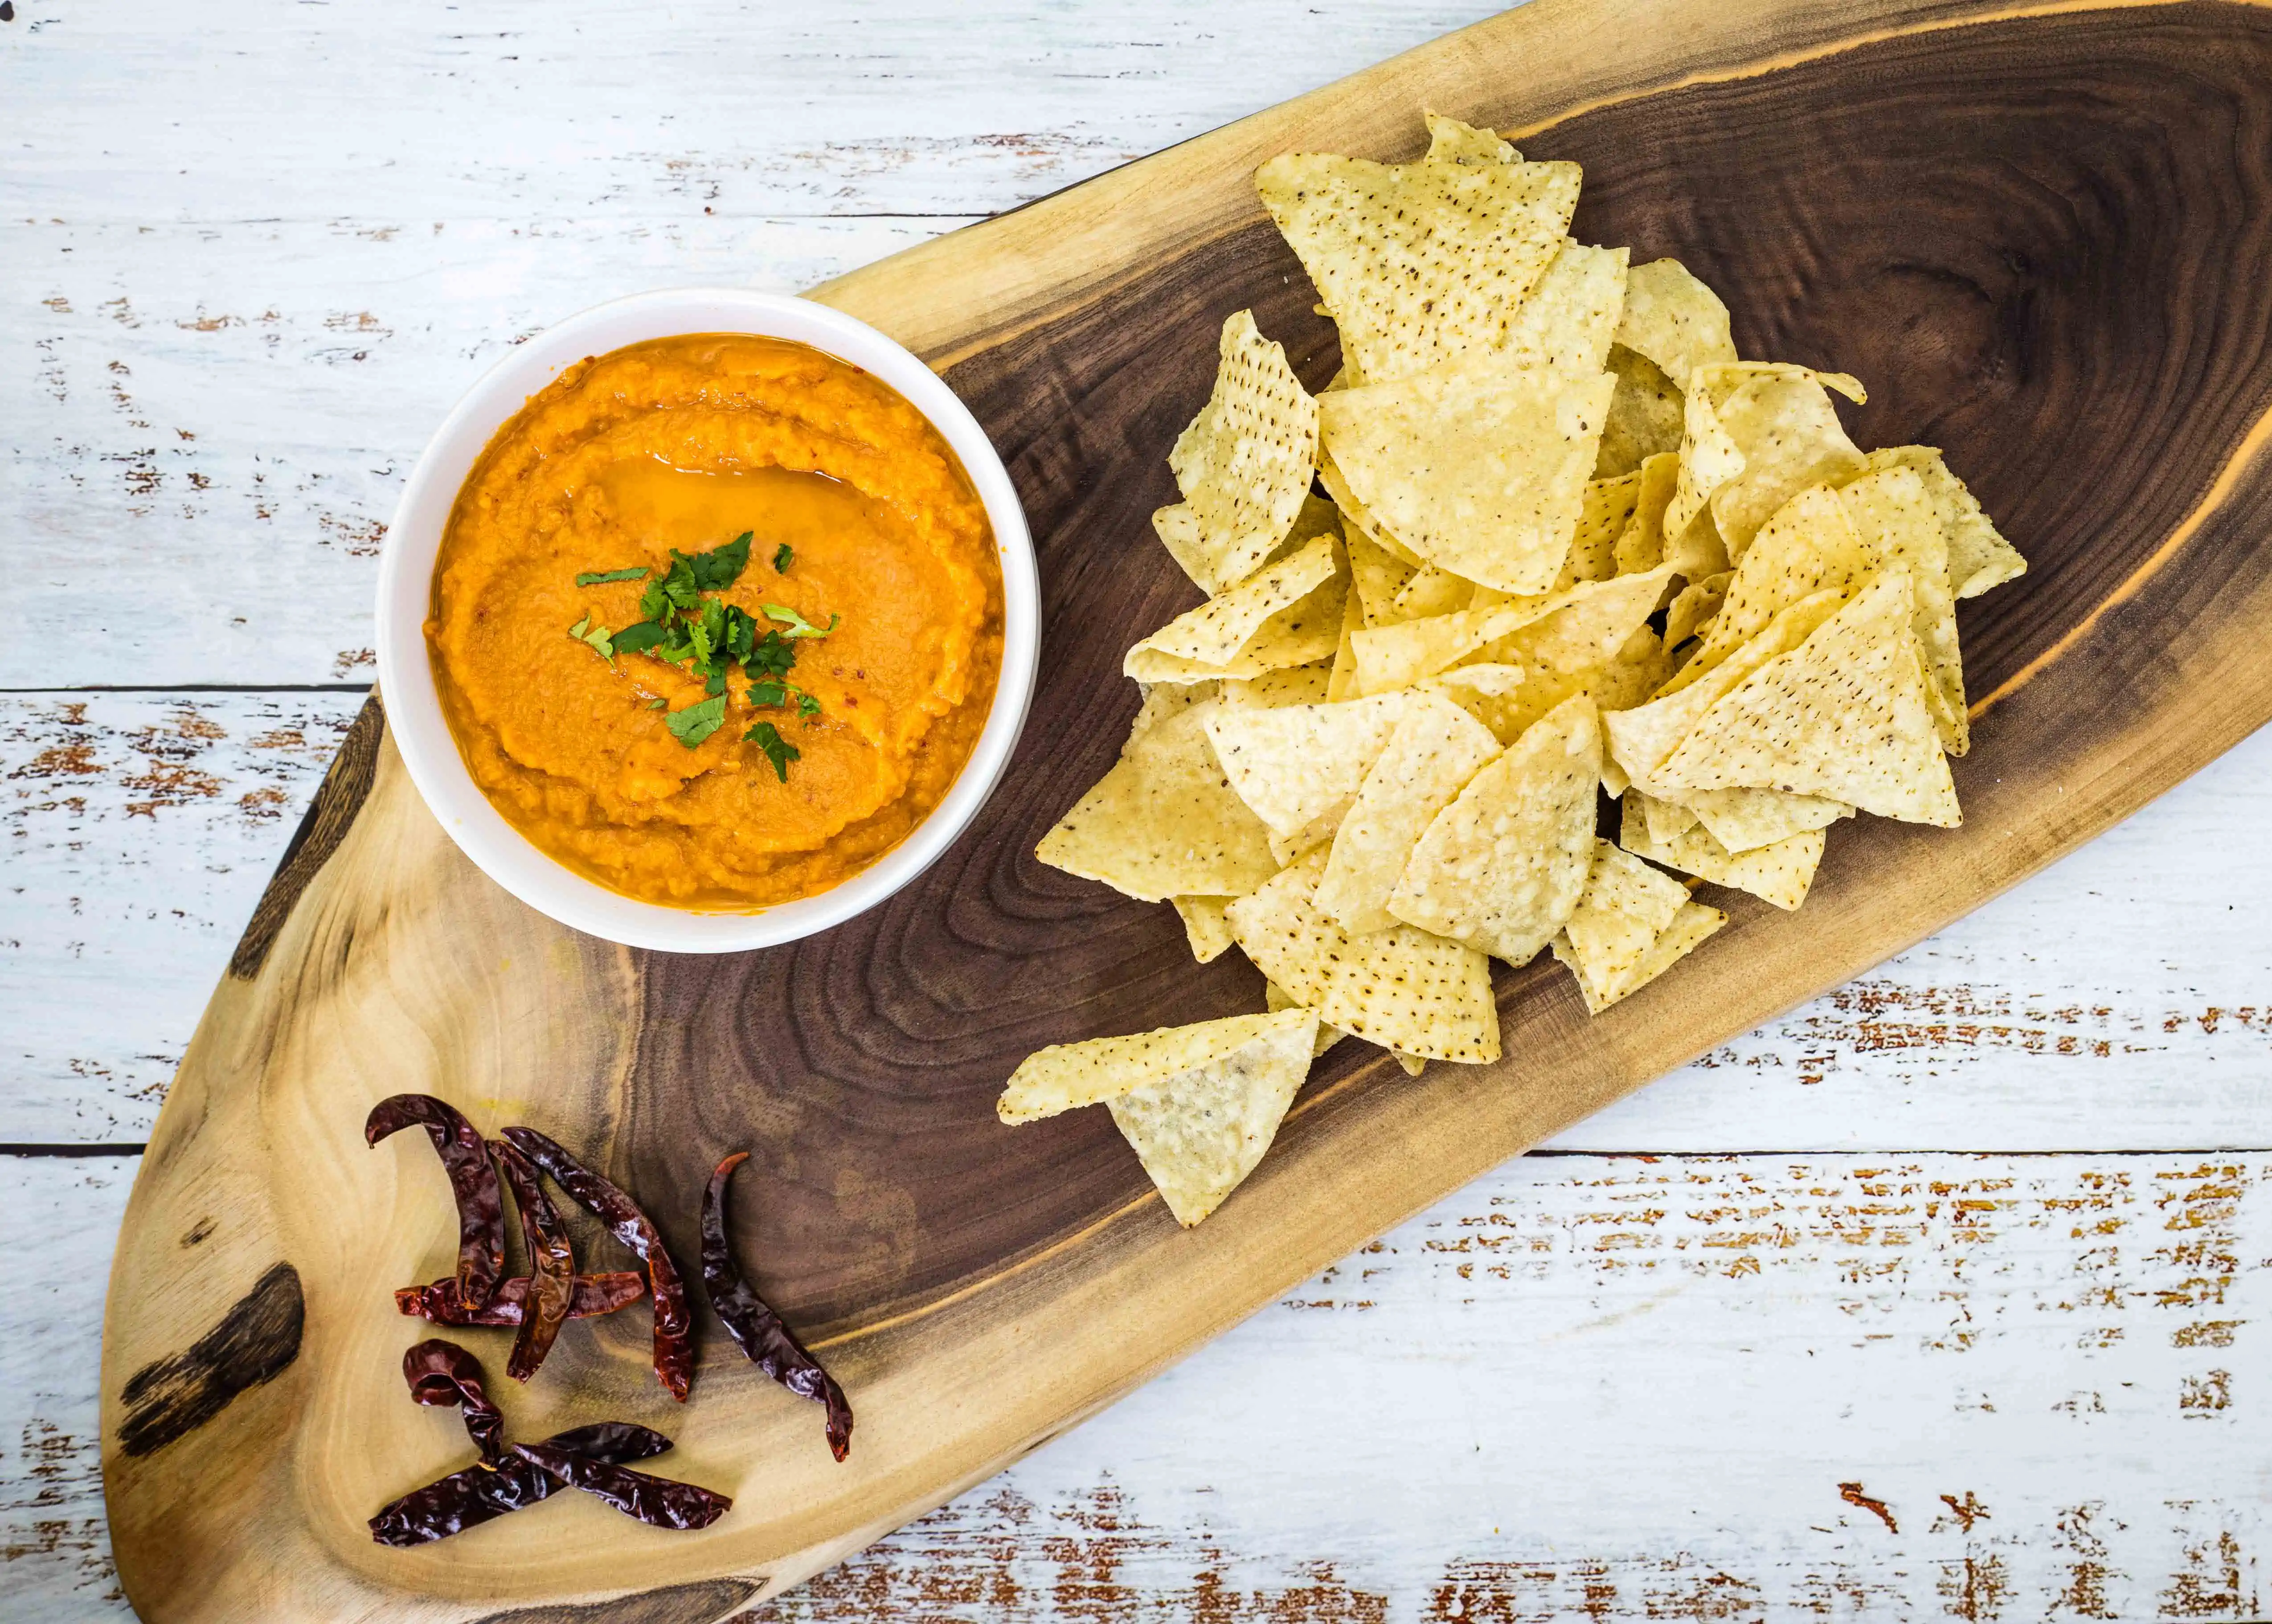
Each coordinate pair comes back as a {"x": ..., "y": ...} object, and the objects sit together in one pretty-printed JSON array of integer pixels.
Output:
[
  {"x": 600, "y": 578},
  {"x": 679, "y": 587},
  {"x": 716, "y": 684},
  {"x": 778, "y": 750},
  {"x": 771, "y": 656},
  {"x": 640, "y": 637},
  {"x": 781, "y": 558},
  {"x": 807, "y": 706},
  {"x": 764, "y": 693},
  {"x": 798, "y": 625},
  {"x": 721, "y": 567},
  {"x": 697, "y": 721},
  {"x": 656, "y": 704},
  {"x": 577, "y": 630},
  {"x": 584, "y": 632}
]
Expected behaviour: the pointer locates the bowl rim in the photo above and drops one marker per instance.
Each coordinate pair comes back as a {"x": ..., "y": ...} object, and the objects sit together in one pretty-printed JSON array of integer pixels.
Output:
[{"x": 406, "y": 679}]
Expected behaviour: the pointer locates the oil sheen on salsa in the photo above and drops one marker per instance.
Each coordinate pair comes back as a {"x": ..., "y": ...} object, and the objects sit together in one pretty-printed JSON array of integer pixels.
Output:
[{"x": 684, "y": 443}]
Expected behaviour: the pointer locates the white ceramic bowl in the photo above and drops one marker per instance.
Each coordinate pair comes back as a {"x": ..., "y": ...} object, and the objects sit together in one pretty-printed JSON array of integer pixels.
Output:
[{"x": 406, "y": 680}]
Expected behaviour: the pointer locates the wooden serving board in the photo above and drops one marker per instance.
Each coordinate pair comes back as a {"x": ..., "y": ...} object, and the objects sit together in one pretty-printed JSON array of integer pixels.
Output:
[{"x": 2037, "y": 235}]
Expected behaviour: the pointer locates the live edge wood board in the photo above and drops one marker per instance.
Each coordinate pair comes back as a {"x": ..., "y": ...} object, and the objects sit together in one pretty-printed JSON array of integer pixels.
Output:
[{"x": 2040, "y": 237}]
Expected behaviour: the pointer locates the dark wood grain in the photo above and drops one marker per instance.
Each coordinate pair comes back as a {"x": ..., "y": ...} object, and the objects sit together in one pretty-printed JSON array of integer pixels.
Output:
[{"x": 2039, "y": 240}]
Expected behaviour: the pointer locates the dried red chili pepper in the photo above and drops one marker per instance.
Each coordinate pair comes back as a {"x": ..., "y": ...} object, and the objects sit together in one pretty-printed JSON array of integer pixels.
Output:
[
  {"x": 442, "y": 1372},
  {"x": 760, "y": 1331},
  {"x": 673, "y": 1346},
  {"x": 660, "y": 1502},
  {"x": 473, "y": 1180},
  {"x": 595, "y": 1295},
  {"x": 481, "y": 1493},
  {"x": 551, "y": 1264}
]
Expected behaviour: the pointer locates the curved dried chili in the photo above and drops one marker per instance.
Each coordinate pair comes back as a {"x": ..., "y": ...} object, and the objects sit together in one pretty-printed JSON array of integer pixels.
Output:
[
  {"x": 473, "y": 1181},
  {"x": 440, "y": 1372},
  {"x": 760, "y": 1331},
  {"x": 551, "y": 1263},
  {"x": 481, "y": 1493},
  {"x": 594, "y": 1295},
  {"x": 660, "y": 1502},
  {"x": 674, "y": 1347}
]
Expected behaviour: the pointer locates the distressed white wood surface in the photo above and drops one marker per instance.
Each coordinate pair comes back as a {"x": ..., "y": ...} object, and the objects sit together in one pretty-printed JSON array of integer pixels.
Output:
[{"x": 250, "y": 253}]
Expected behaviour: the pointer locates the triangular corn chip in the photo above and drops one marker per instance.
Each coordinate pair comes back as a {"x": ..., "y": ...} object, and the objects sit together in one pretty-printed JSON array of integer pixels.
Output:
[
  {"x": 1791, "y": 437},
  {"x": 1299, "y": 684},
  {"x": 1590, "y": 624},
  {"x": 1418, "y": 262},
  {"x": 1745, "y": 820},
  {"x": 1215, "y": 631},
  {"x": 1244, "y": 463},
  {"x": 1402, "y": 989},
  {"x": 1164, "y": 822},
  {"x": 1299, "y": 765},
  {"x": 1431, "y": 591},
  {"x": 1202, "y": 1131},
  {"x": 1779, "y": 873},
  {"x": 1501, "y": 867},
  {"x": 1162, "y": 700},
  {"x": 1354, "y": 520},
  {"x": 1450, "y": 141},
  {"x": 1566, "y": 319},
  {"x": 1666, "y": 820},
  {"x": 1479, "y": 466},
  {"x": 1626, "y": 906},
  {"x": 1066, "y": 1076},
  {"x": 1640, "y": 738},
  {"x": 1895, "y": 519},
  {"x": 1379, "y": 576},
  {"x": 1978, "y": 555},
  {"x": 1809, "y": 546},
  {"x": 1645, "y": 415},
  {"x": 1843, "y": 715},
  {"x": 1693, "y": 609},
  {"x": 1277, "y": 998},
  {"x": 1687, "y": 932},
  {"x": 1607, "y": 510},
  {"x": 1429, "y": 758},
  {"x": 1674, "y": 319},
  {"x": 1341, "y": 681},
  {"x": 1204, "y": 926},
  {"x": 1641, "y": 545}
]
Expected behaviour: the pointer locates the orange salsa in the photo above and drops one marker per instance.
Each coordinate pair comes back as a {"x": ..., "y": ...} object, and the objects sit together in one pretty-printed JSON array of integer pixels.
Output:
[{"x": 686, "y": 444}]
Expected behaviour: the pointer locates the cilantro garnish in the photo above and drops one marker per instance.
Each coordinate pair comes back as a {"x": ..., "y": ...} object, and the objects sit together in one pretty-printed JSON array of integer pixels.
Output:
[
  {"x": 798, "y": 625},
  {"x": 683, "y": 623},
  {"x": 697, "y": 721},
  {"x": 778, "y": 750}
]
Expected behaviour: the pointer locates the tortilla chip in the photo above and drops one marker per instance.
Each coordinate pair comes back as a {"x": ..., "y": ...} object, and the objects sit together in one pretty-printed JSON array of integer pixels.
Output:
[
  {"x": 1202, "y": 1131},
  {"x": 1693, "y": 609},
  {"x": 1204, "y": 926},
  {"x": 1418, "y": 262},
  {"x": 1066, "y": 1076},
  {"x": 1354, "y": 519},
  {"x": 1500, "y": 868},
  {"x": 1644, "y": 418},
  {"x": 1566, "y": 319},
  {"x": 1341, "y": 681},
  {"x": 1780, "y": 873},
  {"x": 1301, "y": 765},
  {"x": 1978, "y": 555},
  {"x": 1898, "y": 524},
  {"x": 1244, "y": 463},
  {"x": 1298, "y": 684},
  {"x": 1450, "y": 141},
  {"x": 1215, "y": 632},
  {"x": 1377, "y": 575},
  {"x": 1607, "y": 508},
  {"x": 1674, "y": 320},
  {"x": 1162, "y": 700},
  {"x": 1745, "y": 820},
  {"x": 1428, "y": 592},
  {"x": 1479, "y": 467},
  {"x": 1666, "y": 820},
  {"x": 1791, "y": 437},
  {"x": 1688, "y": 930},
  {"x": 1164, "y": 822},
  {"x": 1277, "y": 998},
  {"x": 1508, "y": 698},
  {"x": 1809, "y": 546},
  {"x": 1587, "y": 624},
  {"x": 1843, "y": 715},
  {"x": 1402, "y": 989},
  {"x": 1640, "y": 546},
  {"x": 1641, "y": 738},
  {"x": 1429, "y": 757},
  {"x": 1625, "y": 907}
]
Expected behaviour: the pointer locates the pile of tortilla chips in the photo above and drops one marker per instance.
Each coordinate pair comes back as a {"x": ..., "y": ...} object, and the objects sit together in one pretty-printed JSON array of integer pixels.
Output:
[{"x": 1567, "y": 542}]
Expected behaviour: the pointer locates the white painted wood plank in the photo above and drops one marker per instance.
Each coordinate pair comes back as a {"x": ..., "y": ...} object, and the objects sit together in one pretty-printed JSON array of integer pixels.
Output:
[
  {"x": 516, "y": 109},
  {"x": 2117, "y": 1001},
  {"x": 1611, "y": 1387}
]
